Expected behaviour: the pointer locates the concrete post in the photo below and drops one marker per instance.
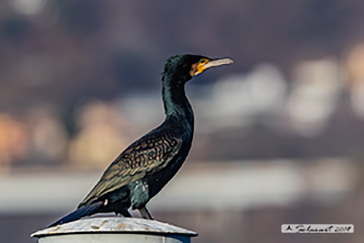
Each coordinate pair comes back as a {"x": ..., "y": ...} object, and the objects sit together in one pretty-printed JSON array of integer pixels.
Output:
[{"x": 114, "y": 229}]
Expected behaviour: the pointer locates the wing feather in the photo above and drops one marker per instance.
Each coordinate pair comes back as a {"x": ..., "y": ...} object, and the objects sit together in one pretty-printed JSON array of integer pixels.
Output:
[{"x": 149, "y": 154}]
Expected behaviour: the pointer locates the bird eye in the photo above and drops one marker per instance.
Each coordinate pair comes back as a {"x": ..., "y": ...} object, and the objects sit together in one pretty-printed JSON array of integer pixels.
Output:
[{"x": 202, "y": 60}]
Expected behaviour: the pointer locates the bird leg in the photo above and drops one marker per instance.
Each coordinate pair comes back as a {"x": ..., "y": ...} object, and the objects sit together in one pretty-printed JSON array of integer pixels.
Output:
[
  {"x": 145, "y": 213},
  {"x": 124, "y": 212}
]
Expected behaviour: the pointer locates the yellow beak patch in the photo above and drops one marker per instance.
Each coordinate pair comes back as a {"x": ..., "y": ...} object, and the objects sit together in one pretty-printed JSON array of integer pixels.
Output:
[{"x": 205, "y": 64}]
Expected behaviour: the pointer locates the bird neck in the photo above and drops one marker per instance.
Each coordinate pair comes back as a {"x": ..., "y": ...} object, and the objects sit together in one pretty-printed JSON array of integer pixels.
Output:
[{"x": 176, "y": 104}]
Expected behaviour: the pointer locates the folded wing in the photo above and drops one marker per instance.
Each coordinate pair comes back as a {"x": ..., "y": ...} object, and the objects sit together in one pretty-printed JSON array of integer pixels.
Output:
[{"x": 147, "y": 155}]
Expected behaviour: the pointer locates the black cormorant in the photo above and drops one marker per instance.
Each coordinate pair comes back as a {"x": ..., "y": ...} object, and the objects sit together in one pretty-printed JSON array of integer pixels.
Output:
[{"x": 146, "y": 166}]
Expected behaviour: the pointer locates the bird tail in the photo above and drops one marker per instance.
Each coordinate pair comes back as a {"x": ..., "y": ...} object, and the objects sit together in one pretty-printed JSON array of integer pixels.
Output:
[{"x": 82, "y": 211}]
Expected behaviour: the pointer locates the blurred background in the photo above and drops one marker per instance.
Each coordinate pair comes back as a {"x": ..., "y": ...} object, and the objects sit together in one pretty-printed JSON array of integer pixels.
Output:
[{"x": 279, "y": 134}]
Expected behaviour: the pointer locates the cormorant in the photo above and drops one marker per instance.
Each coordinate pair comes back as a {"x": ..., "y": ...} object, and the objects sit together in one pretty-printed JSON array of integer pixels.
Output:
[{"x": 146, "y": 166}]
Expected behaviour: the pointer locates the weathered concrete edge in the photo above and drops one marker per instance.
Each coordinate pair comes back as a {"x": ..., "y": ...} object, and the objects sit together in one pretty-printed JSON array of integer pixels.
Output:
[{"x": 114, "y": 225}]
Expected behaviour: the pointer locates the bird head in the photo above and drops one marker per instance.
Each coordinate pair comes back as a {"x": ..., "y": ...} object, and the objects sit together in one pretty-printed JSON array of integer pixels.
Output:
[{"x": 182, "y": 68}]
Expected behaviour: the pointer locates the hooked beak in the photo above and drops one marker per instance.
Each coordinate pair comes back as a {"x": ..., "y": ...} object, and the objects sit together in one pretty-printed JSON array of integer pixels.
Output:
[{"x": 201, "y": 67}]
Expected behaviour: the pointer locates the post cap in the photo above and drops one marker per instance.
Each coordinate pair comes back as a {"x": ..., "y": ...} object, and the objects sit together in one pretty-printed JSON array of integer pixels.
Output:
[{"x": 114, "y": 225}]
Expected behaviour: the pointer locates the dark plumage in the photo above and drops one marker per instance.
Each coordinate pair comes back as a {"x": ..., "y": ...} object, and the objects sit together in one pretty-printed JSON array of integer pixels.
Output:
[{"x": 146, "y": 166}]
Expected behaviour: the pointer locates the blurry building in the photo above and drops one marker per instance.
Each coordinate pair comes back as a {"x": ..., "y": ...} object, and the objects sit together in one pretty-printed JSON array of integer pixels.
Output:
[{"x": 100, "y": 137}]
